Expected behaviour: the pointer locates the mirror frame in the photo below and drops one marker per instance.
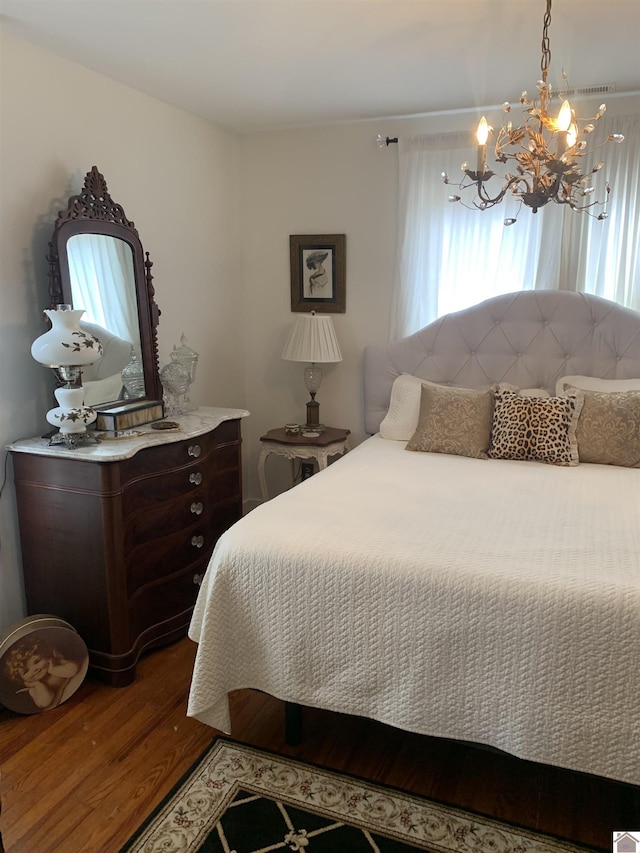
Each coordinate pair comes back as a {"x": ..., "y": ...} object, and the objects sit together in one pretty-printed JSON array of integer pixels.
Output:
[{"x": 93, "y": 211}]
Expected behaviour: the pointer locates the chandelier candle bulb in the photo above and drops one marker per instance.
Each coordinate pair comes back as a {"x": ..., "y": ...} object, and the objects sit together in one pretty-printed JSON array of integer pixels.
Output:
[
  {"x": 564, "y": 124},
  {"x": 482, "y": 134}
]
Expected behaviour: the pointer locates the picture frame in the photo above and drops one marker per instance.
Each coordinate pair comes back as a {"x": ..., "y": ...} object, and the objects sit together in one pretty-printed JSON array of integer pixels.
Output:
[{"x": 318, "y": 272}]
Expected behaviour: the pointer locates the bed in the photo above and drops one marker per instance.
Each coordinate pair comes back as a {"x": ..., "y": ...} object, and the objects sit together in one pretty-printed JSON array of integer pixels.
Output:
[{"x": 491, "y": 600}]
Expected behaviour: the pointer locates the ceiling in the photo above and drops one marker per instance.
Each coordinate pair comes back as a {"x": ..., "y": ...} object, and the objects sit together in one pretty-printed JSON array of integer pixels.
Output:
[{"x": 251, "y": 65}]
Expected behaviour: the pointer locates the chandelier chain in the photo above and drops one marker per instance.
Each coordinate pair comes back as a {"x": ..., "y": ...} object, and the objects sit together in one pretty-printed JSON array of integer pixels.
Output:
[{"x": 545, "y": 61}]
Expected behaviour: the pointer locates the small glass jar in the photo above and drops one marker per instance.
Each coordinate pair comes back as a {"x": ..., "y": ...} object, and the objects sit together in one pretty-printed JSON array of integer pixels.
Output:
[
  {"x": 175, "y": 382},
  {"x": 133, "y": 377}
]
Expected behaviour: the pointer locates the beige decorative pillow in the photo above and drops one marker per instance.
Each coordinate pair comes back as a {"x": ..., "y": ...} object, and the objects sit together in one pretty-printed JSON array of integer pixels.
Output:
[
  {"x": 608, "y": 429},
  {"x": 535, "y": 428},
  {"x": 453, "y": 420}
]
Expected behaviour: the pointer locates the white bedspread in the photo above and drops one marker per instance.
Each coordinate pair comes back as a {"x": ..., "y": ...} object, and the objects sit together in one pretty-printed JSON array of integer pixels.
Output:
[{"x": 486, "y": 600}]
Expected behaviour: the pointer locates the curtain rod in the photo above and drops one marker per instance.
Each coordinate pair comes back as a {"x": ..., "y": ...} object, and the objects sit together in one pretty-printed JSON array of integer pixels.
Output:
[{"x": 385, "y": 140}]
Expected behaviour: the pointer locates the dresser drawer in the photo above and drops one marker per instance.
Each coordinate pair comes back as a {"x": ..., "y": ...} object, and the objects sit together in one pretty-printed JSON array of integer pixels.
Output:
[
  {"x": 167, "y": 555},
  {"x": 181, "y": 453},
  {"x": 177, "y": 548},
  {"x": 149, "y": 516},
  {"x": 164, "y": 518},
  {"x": 161, "y": 602},
  {"x": 149, "y": 491}
]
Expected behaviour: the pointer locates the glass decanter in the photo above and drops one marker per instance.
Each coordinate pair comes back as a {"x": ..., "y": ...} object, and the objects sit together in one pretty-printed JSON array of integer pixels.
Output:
[
  {"x": 188, "y": 358},
  {"x": 175, "y": 381},
  {"x": 133, "y": 377}
]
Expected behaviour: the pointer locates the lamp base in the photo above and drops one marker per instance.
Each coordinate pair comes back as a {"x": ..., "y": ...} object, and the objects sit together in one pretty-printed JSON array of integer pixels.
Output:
[
  {"x": 73, "y": 439},
  {"x": 312, "y": 428},
  {"x": 313, "y": 413}
]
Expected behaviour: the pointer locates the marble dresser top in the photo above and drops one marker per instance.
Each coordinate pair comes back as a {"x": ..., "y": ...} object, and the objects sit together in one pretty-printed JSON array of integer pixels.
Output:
[{"x": 111, "y": 449}]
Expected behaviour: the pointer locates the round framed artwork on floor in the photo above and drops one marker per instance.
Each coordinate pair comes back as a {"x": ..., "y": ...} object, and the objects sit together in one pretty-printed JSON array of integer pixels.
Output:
[{"x": 43, "y": 661}]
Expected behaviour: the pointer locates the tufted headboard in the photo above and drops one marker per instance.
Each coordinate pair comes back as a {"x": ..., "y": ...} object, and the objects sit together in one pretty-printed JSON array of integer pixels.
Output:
[{"x": 529, "y": 339}]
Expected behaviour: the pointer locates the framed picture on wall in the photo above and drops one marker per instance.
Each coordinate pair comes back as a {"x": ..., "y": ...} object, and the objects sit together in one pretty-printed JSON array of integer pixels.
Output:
[{"x": 318, "y": 267}]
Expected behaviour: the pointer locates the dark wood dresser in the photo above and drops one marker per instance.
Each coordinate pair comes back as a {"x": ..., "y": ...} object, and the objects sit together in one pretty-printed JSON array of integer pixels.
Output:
[{"x": 116, "y": 536}]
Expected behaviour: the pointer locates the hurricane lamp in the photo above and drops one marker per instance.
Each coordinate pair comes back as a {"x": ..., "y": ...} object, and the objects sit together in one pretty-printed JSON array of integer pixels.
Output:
[{"x": 67, "y": 348}]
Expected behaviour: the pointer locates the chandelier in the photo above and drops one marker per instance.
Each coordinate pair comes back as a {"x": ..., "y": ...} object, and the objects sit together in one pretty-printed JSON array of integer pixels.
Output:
[{"x": 545, "y": 152}]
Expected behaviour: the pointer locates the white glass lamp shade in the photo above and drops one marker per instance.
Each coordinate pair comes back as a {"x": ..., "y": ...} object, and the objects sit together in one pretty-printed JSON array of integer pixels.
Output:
[
  {"x": 65, "y": 343},
  {"x": 312, "y": 339},
  {"x": 71, "y": 416}
]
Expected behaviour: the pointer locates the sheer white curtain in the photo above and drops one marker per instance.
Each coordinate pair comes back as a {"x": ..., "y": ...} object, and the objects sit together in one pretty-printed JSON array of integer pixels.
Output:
[
  {"x": 96, "y": 259},
  {"x": 450, "y": 257},
  {"x": 606, "y": 260}
]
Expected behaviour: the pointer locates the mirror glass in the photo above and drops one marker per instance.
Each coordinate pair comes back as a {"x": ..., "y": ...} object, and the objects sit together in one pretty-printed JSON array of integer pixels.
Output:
[
  {"x": 102, "y": 280},
  {"x": 97, "y": 263}
]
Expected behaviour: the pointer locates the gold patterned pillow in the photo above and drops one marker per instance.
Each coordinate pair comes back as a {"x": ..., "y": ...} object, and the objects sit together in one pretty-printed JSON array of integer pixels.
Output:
[
  {"x": 453, "y": 420},
  {"x": 535, "y": 429},
  {"x": 608, "y": 429}
]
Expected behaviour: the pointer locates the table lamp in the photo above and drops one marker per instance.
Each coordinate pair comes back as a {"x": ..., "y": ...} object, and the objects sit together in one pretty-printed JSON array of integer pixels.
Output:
[
  {"x": 312, "y": 339},
  {"x": 67, "y": 348}
]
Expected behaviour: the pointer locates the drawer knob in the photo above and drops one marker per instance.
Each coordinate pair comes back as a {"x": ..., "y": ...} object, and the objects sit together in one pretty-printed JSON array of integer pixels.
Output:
[
  {"x": 197, "y": 541},
  {"x": 196, "y": 508},
  {"x": 194, "y": 450},
  {"x": 195, "y": 478},
  {"x": 197, "y": 579}
]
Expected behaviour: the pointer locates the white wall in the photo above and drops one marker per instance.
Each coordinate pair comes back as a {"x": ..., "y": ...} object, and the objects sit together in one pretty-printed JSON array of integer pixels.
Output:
[
  {"x": 176, "y": 177},
  {"x": 329, "y": 180}
]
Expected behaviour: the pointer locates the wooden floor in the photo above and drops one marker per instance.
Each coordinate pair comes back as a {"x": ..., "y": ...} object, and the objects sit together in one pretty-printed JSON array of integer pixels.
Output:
[{"x": 81, "y": 778}]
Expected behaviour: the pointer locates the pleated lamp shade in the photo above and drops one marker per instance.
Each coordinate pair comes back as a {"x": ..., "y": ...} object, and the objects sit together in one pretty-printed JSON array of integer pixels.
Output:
[{"x": 312, "y": 339}]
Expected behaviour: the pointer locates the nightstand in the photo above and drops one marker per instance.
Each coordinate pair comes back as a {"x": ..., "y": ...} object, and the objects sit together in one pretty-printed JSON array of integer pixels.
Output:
[{"x": 330, "y": 442}]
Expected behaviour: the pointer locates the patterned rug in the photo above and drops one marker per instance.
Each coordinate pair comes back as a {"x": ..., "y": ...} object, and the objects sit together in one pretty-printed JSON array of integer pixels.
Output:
[{"x": 237, "y": 799}]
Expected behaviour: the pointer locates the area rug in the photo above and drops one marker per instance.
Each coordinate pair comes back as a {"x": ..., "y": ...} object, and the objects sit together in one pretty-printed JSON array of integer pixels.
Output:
[{"x": 237, "y": 799}]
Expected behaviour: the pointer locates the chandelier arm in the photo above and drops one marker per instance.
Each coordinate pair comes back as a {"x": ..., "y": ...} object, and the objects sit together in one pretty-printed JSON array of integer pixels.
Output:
[
  {"x": 488, "y": 200},
  {"x": 584, "y": 207}
]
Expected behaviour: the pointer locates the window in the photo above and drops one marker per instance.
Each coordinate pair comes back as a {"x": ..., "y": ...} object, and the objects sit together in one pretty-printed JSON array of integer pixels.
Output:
[{"x": 451, "y": 257}]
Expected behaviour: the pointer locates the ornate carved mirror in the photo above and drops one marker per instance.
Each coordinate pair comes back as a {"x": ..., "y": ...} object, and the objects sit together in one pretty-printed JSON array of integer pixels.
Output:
[{"x": 97, "y": 263}]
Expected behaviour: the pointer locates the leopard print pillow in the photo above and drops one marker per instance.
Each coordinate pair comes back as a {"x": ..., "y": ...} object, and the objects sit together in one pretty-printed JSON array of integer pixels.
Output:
[{"x": 536, "y": 429}]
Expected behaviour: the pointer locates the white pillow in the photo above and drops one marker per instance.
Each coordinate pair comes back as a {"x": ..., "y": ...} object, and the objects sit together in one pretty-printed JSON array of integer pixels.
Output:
[
  {"x": 401, "y": 421},
  {"x": 592, "y": 383},
  {"x": 533, "y": 392},
  {"x": 102, "y": 390}
]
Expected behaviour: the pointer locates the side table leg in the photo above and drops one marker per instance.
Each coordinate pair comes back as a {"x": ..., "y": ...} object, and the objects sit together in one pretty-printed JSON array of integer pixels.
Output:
[
  {"x": 292, "y": 723},
  {"x": 261, "y": 474}
]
